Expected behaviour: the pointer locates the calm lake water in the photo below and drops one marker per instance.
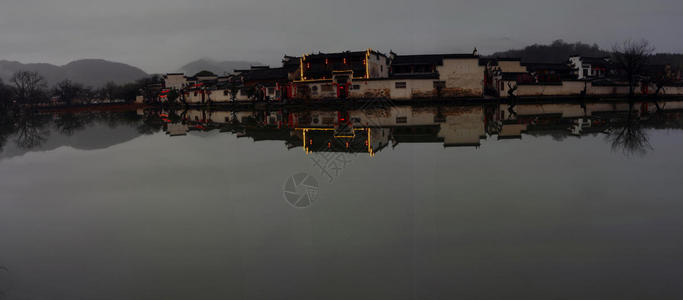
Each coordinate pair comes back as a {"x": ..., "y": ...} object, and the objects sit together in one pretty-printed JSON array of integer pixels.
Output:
[{"x": 554, "y": 201}]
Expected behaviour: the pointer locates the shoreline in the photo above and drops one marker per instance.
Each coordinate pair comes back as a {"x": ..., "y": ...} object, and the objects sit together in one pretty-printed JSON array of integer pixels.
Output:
[{"x": 352, "y": 103}]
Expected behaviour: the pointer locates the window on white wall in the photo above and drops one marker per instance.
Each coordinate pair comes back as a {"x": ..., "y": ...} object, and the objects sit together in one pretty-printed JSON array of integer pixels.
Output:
[{"x": 401, "y": 85}]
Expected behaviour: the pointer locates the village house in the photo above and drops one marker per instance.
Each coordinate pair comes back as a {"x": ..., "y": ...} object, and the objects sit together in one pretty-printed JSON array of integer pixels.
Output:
[
  {"x": 589, "y": 67},
  {"x": 452, "y": 75},
  {"x": 361, "y": 64},
  {"x": 398, "y": 77},
  {"x": 549, "y": 72},
  {"x": 275, "y": 83},
  {"x": 331, "y": 75},
  {"x": 206, "y": 76},
  {"x": 371, "y": 74},
  {"x": 176, "y": 81}
]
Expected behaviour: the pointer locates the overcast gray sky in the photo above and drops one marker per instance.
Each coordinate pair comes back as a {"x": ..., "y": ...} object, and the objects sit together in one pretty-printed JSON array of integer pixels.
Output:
[{"x": 161, "y": 35}]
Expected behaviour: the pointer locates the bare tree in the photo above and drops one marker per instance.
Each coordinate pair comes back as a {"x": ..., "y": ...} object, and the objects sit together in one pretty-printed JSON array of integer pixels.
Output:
[
  {"x": 631, "y": 57},
  {"x": 29, "y": 86},
  {"x": 69, "y": 91},
  {"x": 108, "y": 91},
  {"x": 69, "y": 123}
]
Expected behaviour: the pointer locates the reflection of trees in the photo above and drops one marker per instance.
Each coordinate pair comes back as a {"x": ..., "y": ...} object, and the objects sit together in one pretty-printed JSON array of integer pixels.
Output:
[
  {"x": 629, "y": 136},
  {"x": 6, "y": 127},
  {"x": 69, "y": 123},
  {"x": 3, "y": 138},
  {"x": 3, "y": 141},
  {"x": 31, "y": 130},
  {"x": 559, "y": 136},
  {"x": 151, "y": 124},
  {"x": 111, "y": 119}
]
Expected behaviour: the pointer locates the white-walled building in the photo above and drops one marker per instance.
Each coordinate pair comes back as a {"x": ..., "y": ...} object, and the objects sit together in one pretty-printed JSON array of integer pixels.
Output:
[
  {"x": 175, "y": 81},
  {"x": 589, "y": 67}
]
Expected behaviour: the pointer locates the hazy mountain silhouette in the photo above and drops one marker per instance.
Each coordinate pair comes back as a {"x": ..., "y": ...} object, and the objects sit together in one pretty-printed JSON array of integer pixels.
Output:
[
  {"x": 89, "y": 72},
  {"x": 217, "y": 67}
]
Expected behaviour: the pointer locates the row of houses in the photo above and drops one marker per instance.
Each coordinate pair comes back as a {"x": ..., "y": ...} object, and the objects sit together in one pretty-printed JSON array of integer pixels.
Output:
[
  {"x": 579, "y": 76},
  {"x": 371, "y": 74}
]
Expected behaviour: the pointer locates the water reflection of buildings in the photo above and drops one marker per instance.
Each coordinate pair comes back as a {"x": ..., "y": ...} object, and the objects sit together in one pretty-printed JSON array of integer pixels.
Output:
[{"x": 371, "y": 130}]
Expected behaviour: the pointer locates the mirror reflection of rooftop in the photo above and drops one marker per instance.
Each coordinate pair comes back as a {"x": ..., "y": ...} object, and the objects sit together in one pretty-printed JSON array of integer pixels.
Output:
[{"x": 371, "y": 130}]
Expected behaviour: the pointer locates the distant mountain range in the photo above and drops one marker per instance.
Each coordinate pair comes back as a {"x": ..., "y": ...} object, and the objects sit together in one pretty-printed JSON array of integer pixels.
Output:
[
  {"x": 89, "y": 72},
  {"x": 217, "y": 67},
  {"x": 97, "y": 72}
]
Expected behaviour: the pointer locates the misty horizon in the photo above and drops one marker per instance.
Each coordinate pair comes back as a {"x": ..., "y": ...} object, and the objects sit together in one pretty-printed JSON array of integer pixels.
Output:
[
  {"x": 159, "y": 37},
  {"x": 278, "y": 61}
]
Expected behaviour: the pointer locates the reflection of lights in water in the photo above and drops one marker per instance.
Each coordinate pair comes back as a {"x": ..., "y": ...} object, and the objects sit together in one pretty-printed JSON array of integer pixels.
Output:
[{"x": 4, "y": 280}]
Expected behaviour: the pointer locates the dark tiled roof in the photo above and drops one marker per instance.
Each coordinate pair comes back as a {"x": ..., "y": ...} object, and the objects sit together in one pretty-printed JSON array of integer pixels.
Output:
[
  {"x": 460, "y": 56},
  {"x": 266, "y": 74},
  {"x": 347, "y": 54},
  {"x": 428, "y": 59},
  {"x": 319, "y": 71},
  {"x": 595, "y": 61},
  {"x": 291, "y": 62},
  {"x": 404, "y": 60}
]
